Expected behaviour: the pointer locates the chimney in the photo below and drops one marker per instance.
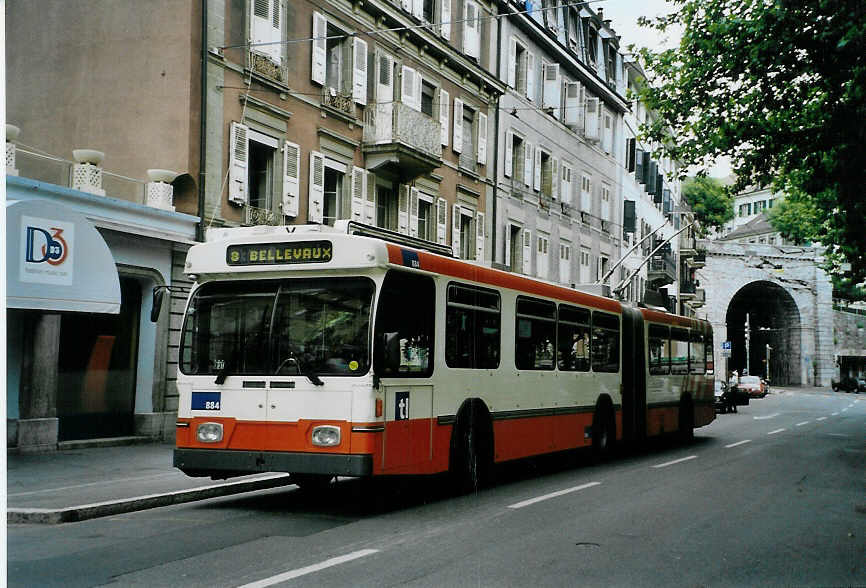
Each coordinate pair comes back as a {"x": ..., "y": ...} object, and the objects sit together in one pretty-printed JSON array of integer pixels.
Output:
[
  {"x": 160, "y": 192},
  {"x": 87, "y": 171},
  {"x": 11, "y": 136}
]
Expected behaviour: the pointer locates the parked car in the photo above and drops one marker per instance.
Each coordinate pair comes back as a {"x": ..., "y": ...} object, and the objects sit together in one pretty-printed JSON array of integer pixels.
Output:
[
  {"x": 753, "y": 385},
  {"x": 845, "y": 384},
  {"x": 861, "y": 385}
]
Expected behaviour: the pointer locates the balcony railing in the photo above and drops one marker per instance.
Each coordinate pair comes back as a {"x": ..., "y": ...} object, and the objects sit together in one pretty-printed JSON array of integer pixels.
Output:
[
  {"x": 662, "y": 266},
  {"x": 265, "y": 67},
  {"x": 397, "y": 123},
  {"x": 340, "y": 102},
  {"x": 687, "y": 288},
  {"x": 58, "y": 171},
  {"x": 261, "y": 216}
]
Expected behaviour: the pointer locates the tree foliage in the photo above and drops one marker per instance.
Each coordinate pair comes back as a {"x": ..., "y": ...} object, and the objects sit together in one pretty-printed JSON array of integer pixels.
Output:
[
  {"x": 795, "y": 219},
  {"x": 779, "y": 86},
  {"x": 712, "y": 204}
]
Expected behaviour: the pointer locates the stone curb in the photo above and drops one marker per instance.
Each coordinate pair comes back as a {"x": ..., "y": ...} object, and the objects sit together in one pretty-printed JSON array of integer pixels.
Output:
[{"x": 45, "y": 516}]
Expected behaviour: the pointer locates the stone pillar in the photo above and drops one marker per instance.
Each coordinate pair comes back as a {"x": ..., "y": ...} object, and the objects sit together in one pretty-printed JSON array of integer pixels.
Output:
[
  {"x": 824, "y": 367},
  {"x": 38, "y": 426}
]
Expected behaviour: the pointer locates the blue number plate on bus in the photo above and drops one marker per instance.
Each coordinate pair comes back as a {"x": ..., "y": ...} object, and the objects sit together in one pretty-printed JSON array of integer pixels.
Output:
[{"x": 205, "y": 400}]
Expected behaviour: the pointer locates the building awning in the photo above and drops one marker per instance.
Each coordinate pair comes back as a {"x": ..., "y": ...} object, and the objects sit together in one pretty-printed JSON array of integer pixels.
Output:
[{"x": 57, "y": 260}]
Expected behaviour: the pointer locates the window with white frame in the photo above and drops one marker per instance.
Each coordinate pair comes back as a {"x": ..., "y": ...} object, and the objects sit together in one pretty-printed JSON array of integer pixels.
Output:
[
  {"x": 541, "y": 255},
  {"x": 584, "y": 266},
  {"x": 605, "y": 203},
  {"x": 585, "y": 193},
  {"x": 254, "y": 159},
  {"x": 521, "y": 68},
  {"x": 333, "y": 208},
  {"x": 548, "y": 173},
  {"x": 339, "y": 60},
  {"x": 565, "y": 262},
  {"x": 515, "y": 166},
  {"x": 471, "y": 29},
  {"x": 565, "y": 184},
  {"x": 467, "y": 233}
]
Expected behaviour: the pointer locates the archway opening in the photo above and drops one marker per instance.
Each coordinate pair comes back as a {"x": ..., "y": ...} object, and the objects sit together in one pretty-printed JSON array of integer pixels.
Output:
[{"x": 764, "y": 330}]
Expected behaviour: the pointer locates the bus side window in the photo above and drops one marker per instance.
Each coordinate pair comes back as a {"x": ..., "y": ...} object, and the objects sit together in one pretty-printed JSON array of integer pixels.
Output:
[
  {"x": 659, "y": 349},
  {"x": 605, "y": 342},
  {"x": 679, "y": 351},
  {"x": 574, "y": 339},
  {"x": 472, "y": 327},
  {"x": 403, "y": 337},
  {"x": 536, "y": 334}
]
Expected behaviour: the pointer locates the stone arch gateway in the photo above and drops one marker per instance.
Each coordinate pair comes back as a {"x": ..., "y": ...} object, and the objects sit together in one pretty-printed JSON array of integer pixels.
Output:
[{"x": 774, "y": 304}]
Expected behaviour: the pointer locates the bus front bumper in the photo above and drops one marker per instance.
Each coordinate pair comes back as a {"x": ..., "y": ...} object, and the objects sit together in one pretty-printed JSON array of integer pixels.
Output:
[{"x": 226, "y": 463}]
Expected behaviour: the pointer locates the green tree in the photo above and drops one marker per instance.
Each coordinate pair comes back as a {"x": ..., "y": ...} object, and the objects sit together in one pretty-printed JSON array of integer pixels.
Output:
[
  {"x": 796, "y": 219},
  {"x": 712, "y": 204},
  {"x": 779, "y": 86}
]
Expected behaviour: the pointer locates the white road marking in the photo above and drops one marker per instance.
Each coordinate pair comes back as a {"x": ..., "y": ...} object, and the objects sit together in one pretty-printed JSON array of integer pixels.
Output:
[
  {"x": 801, "y": 424},
  {"x": 769, "y": 416},
  {"x": 837, "y": 435},
  {"x": 846, "y": 409},
  {"x": 834, "y": 414},
  {"x": 821, "y": 419},
  {"x": 776, "y": 431},
  {"x": 670, "y": 463},
  {"x": 743, "y": 442},
  {"x": 334, "y": 561},
  {"x": 553, "y": 495}
]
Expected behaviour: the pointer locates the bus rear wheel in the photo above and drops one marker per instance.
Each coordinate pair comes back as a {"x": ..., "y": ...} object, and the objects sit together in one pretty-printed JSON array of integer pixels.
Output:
[{"x": 603, "y": 432}]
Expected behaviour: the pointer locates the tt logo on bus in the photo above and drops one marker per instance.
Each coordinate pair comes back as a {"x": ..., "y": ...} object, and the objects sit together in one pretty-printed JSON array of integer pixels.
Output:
[{"x": 401, "y": 402}]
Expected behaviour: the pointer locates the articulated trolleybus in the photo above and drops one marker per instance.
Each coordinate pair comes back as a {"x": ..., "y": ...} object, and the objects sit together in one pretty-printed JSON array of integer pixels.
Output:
[{"x": 347, "y": 351}]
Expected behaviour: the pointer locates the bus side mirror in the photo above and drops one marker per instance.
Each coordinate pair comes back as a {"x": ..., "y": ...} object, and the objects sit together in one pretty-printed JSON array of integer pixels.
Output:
[{"x": 158, "y": 293}]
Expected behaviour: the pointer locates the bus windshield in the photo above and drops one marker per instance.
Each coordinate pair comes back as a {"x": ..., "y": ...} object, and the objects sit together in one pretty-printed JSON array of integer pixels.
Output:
[{"x": 278, "y": 327}]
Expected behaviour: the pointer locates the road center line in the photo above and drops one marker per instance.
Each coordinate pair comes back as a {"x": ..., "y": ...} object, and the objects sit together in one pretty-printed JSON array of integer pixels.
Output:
[
  {"x": 743, "y": 442},
  {"x": 801, "y": 424},
  {"x": 334, "y": 561},
  {"x": 821, "y": 419},
  {"x": 553, "y": 495},
  {"x": 765, "y": 417},
  {"x": 834, "y": 414},
  {"x": 776, "y": 431},
  {"x": 670, "y": 463}
]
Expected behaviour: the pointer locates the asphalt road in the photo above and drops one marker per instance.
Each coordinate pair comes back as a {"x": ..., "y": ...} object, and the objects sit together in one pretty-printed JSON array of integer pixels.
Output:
[{"x": 771, "y": 496}]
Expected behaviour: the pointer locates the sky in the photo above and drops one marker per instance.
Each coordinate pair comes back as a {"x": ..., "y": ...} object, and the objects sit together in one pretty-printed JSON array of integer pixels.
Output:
[{"x": 623, "y": 15}]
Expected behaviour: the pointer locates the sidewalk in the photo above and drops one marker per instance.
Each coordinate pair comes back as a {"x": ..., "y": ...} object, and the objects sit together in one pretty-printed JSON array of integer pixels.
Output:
[{"x": 75, "y": 484}]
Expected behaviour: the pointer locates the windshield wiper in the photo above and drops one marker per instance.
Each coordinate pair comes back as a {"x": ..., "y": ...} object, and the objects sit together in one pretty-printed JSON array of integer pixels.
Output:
[{"x": 303, "y": 369}]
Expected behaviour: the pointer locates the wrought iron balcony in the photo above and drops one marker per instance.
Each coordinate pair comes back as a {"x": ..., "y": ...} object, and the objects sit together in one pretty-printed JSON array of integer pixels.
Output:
[
  {"x": 698, "y": 259},
  {"x": 687, "y": 289},
  {"x": 402, "y": 139},
  {"x": 698, "y": 299},
  {"x": 261, "y": 216},
  {"x": 662, "y": 269}
]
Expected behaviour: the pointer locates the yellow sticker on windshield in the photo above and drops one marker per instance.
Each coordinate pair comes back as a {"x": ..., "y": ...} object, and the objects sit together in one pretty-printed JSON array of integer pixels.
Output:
[{"x": 353, "y": 365}]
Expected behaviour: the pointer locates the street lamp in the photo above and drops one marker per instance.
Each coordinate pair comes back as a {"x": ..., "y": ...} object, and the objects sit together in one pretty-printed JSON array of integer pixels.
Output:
[{"x": 769, "y": 349}]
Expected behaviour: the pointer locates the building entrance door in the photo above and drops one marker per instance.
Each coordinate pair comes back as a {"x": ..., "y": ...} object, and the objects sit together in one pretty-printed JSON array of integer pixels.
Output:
[{"x": 97, "y": 370}]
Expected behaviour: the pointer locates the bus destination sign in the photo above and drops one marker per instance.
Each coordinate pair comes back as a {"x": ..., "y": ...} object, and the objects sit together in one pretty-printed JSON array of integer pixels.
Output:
[{"x": 279, "y": 253}]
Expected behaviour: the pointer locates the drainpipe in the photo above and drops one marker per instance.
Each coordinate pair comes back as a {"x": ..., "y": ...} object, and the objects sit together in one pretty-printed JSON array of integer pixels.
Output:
[
  {"x": 202, "y": 154},
  {"x": 496, "y": 145}
]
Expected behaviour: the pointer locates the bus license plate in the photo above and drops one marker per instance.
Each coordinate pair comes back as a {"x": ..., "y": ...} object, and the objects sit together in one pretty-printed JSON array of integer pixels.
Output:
[{"x": 205, "y": 401}]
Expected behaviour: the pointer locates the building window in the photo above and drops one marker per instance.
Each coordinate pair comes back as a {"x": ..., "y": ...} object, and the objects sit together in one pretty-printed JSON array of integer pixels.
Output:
[
  {"x": 261, "y": 173},
  {"x": 518, "y": 158},
  {"x": 467, "y": 249},
  {"x": 332, "y": 205},
  {"x": 426, "y": 222},
  {"x": 520, "y": 63},
  {"x": 584, "y": 265},
  {"x": 428, "y": 90},
  {"x": 386, "y": 207},
  {"x": 337, "y": 46}
]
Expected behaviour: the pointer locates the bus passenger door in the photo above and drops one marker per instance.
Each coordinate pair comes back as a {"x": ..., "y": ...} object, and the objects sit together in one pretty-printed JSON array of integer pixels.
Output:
[{"x": 408, "y": 429}]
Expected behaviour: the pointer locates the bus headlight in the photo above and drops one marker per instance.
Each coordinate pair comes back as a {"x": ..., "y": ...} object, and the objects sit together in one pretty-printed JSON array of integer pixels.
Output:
[
  {"x": 326, "y": 436},
  {"x": 209, "y": 432}
]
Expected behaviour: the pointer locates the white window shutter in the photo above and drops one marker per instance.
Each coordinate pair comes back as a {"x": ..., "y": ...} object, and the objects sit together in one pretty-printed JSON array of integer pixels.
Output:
[
  {"x": 457, "y": 138},
  {"x": 409, "y": 88},
  {"x": 572, "y": 103},
  {"x": 455, "y": 229},
  {"x": 320, "y": 45},
  {"x": 482, "y": 138},
  {"x": 509, "y": 153},
  {"x": 554, "y": 175},
  {"x": 512, "y": 62},
  {"x": 384, "y": 79},
  {"x": 441, "y": 220},
  {"x": 444, "y": 106},
  {"x": 359, "y": 193},
  {"x": 317, "y": 187},
  {"x": 565, "y": 185},
  {"x": 238, "y": 158},
  {"x": 529, "y": 154},
  {"x": 591, "y": 120},
  {"x": 445, "y": 19},
  {"x": 418, "y": 9},
  {"x": 370, "y": 201},
  {"x": 413, "y": 212},
  {"x": 276, "y": 32},
  {"x": 479, "y": 236},
  {"x": 530, "y": 76},
  {"x": 536, "y": 179},
  {"x": 359, "y": 71},
  {"x": 407, "y": 5},
  {"x": 403, "y": 209},
  {"x": 471, "y": 32},
  {"x": 291, "y": 178},
  {"x": 527, "y": 251},
  {"x": 552, "y": 85}
]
